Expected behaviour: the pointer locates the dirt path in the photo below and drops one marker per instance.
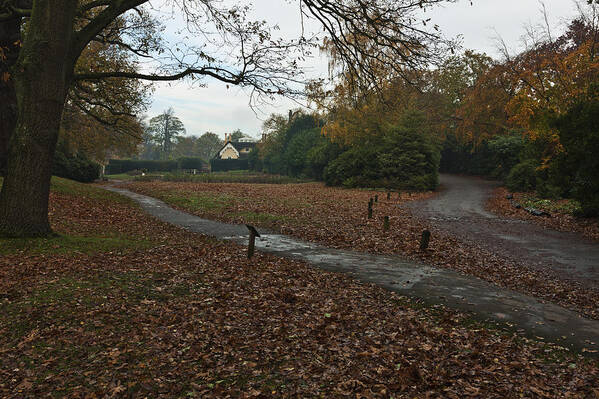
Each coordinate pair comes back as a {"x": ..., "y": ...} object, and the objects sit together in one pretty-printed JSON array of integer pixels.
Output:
[
  {"x": 460, "y": 209},
  {"x": 433, "y": 285}
]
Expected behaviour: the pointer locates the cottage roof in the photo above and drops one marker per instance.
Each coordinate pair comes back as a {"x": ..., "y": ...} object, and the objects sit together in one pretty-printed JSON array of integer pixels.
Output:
[{"x": 242, "y": 148}]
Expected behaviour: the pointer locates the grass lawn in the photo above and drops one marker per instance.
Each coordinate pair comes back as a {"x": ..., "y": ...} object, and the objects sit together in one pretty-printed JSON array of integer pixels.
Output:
[
  {"x": 75, "y": 210},
  {"x": 120, "y": 176},
  {"x": 233, "y": 176},
  {"x": 176, "y": 314}
]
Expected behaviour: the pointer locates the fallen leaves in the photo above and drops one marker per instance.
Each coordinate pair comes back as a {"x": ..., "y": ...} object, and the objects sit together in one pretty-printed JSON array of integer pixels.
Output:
[
  {"x": 193, "y": 317},
  {"x": 338, "y": 218}
]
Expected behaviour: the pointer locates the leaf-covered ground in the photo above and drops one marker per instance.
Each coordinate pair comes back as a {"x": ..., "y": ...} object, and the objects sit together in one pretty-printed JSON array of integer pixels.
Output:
[
  {"x": 187, "y": 316},
  {"x": 560, "y": 210},
  {"x": 339, "y": 218}
]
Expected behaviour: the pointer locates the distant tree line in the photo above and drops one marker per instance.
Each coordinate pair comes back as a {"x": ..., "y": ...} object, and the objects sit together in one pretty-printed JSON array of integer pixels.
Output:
[{"x": 164, "y": 139}]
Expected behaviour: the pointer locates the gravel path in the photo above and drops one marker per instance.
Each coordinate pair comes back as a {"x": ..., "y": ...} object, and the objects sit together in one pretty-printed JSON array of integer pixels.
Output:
[{"x": 460, "y": 209}]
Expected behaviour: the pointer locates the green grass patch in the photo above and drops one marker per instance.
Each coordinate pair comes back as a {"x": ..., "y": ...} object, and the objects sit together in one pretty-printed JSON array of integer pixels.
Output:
[
  {"x": 261, "y": 218},
  {"x": 235, "y": 176},
  {"x": 76, "y": 189},
  {"x": 62, "y": 244},
  {"x": 567, "y": 206},
  {"x": 70, "y": 187},
  {"x": 120, "y": 176},
  {"x": 197, "y": 202}
]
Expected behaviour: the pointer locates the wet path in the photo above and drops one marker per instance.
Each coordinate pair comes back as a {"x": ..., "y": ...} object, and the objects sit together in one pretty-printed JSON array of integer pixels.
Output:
[
  {"x": 460, "y": 209},
  {"x": 410, "y": 278}
]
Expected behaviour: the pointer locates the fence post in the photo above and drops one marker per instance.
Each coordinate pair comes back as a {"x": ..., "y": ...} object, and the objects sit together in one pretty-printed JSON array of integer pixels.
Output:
[
  {"x": 252, "y": 241},
  {"x": 425, "y": 239},
  {"x": 386, "y": 223},
  {"x": 370, "y": 209}
]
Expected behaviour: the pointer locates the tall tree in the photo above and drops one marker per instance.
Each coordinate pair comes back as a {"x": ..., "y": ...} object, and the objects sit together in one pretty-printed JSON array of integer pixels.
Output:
[
  {"x": 165, "y": 130},
  {"x": 186, "y": 146},
  {"x": 58, "y": 31},
  {"x": 207, "y": 145}
]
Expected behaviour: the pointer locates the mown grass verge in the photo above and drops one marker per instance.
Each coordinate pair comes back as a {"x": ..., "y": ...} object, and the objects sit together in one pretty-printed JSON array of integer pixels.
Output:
[
  {"x": 238, "y": 176},
  {"x": 73, "y": 235}
]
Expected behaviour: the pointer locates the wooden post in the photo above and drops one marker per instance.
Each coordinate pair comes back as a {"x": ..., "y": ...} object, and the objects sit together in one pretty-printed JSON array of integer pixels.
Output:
[
  {"x": 253, "y": 234},
  {"x": 399, "y": 196},
  {"x": 376, "y": 198},
  {"x": 370, "y": 209},
  {"x": 388, "y": 195},
  {"x": 386, "y": 223},
  {"x": 425, "y": 239}
]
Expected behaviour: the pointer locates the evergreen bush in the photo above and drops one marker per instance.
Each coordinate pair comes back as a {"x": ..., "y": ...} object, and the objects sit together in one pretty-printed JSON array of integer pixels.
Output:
[{"x": 523, "y": 176}]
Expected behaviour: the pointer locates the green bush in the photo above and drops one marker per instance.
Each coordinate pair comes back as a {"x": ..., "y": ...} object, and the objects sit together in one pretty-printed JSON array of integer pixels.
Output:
[
  {"x": 523, "y": 176},
  {"x": 118, "y": 166},
  {"x": 505, "y": 152},
  {"x": 579, "y": 135},
  {"x": 403, "y": 158},
  {"x": 191, "y": 163},
  {"x": 319, "y": 156},
  {"x": 297, "y": 149},
  {"x": 75, "y": 167},
  {"x": 357, "y": 167},
  {"x": 224, "y": 165}
]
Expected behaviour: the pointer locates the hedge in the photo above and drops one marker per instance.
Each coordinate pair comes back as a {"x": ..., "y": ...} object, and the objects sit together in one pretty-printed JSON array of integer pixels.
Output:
[
  {"x": 116, "y": 166},
  {"x": 191, "y": 163},
  {"x": 224, "y": 165}
]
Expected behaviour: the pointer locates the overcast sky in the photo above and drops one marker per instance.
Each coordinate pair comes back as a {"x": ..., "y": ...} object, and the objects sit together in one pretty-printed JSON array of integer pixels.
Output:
[{"x": 220, "y": 110}]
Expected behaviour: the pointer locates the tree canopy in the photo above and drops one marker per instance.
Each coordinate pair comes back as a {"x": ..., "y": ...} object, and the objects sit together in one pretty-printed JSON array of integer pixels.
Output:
[
  {"x": 50, "y": 71},
  {"x": 165, "y": 130}
]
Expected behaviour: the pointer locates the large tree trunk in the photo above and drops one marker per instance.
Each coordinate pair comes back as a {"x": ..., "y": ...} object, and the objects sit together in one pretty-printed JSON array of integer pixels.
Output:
[
  {"x": 10, "y": 34},
  {"x": 41, "y": 78}
]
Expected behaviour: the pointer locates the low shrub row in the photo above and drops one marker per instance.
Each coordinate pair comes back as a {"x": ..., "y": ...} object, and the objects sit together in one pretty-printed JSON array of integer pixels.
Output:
[
  {"x": 224, "y": 165},
  {"x": 117, "y": 166}
]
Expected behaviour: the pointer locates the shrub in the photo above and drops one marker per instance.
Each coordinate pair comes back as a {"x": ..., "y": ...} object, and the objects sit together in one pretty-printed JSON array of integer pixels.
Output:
[
  {"x": 319, "y": 156},
  {"x": 191, "y": 163},
  {"x": 224, "y": 165},
  {"x": 579, "y": 134},
  {"x": 357, "y": 167},
  {"x": 403, "y": 158},
  {"x": 117, "y": 166},
  {"x": 297, "y": 149},
  {"x": 75, "y": 167},
  {"x": 410, "y": 160},
  {"x": 505, "y": 152},
  {"x": 523, "y": 176}
]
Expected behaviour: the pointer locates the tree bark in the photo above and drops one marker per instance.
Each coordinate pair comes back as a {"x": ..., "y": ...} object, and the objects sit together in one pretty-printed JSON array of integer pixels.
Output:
[
  {"x": 41, "y": 77},
  {"x": 10, "y": 35}
]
